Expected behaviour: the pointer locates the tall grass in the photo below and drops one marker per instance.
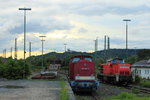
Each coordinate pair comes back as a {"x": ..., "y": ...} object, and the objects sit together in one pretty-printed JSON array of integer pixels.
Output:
[
  {"x": 128, "y": 96},
  {"x": 63, "y": 91},
  {"x": 145, "y": 83}
]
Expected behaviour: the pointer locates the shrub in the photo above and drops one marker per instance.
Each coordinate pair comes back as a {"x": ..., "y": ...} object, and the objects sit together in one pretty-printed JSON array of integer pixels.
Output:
[
  {"x": 137, "y": 79},
  {"x": 14, "y": 69}
]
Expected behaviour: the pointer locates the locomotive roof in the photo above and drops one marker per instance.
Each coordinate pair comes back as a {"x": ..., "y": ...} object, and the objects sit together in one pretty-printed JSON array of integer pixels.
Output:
[{"x": 115, "y": 59}]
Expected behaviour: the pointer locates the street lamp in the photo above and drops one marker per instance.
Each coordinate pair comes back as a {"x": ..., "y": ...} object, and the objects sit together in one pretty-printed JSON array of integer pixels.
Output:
[
  {"x": 126, "y": 20},
  {"x": 25, "y": 9},
  {"x": 42, "y": 48}
]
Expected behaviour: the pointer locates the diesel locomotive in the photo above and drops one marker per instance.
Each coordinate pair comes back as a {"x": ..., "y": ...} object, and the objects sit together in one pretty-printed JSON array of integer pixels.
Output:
[
  {"x": 82, "y": 74},
  {"x": 115, "y": 71}
]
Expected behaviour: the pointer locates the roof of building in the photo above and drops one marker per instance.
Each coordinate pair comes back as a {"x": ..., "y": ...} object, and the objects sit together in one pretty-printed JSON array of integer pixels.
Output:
[{"x": 142, "y": 63}]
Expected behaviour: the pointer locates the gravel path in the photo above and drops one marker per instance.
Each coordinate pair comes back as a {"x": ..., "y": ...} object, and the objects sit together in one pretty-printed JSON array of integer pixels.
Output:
[{"x": 29, "y": 90}]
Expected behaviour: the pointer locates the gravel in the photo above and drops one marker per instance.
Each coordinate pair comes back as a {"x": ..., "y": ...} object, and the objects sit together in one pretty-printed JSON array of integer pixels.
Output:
[{"x": 29, "y": 90}]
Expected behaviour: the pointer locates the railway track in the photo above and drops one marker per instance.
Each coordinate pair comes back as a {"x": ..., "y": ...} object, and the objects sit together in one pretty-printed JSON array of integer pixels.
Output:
[
  {"x": 141, "y": 89},
  {"x": 95, "y": 97},
  {"x": 86, "y": 96}
]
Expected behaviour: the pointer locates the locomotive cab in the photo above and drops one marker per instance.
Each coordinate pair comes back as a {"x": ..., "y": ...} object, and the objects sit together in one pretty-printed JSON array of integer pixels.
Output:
[{"x": 82, "y": 74}]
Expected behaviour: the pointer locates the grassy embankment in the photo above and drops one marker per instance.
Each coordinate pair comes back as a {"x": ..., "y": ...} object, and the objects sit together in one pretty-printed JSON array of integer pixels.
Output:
[
  {"x": 63, "y": 91},
  {"x": 127, "y": 96}
]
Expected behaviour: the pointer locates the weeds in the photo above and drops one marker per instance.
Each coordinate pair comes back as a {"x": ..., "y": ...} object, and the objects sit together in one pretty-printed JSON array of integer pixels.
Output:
[
  {"x": 128, "y": 96},
  {"x": 145, "y": 83},
  {"x": 63, "y": 91}
]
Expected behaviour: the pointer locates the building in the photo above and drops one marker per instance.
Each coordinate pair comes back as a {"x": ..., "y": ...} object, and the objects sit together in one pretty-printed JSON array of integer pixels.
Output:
[{"x": 142, "y": 69}]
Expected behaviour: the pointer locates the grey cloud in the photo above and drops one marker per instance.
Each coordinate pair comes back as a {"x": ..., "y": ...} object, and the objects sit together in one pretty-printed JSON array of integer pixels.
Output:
[{"x": 38, "y": 27}]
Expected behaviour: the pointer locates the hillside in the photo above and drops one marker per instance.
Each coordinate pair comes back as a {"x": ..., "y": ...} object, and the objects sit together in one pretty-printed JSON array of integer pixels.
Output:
[{"x": 121, "y": 53}]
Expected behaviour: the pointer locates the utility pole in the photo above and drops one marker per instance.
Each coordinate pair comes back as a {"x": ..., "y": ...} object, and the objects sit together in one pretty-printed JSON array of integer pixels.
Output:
[
  {"x": 29, "y": 49},
  {"x": 126, "y": 20},
  {"x": 108, "y": 47},
  {"x": 15, "y": 56},
  {"x": 24, "y": 9},
  {"x": 42, "y": 48}
]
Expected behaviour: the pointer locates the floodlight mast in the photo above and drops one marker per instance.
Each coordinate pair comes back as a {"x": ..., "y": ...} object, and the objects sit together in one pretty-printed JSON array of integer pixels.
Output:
[
  {"x": 24, "y": 9},
  {"x": 126, "y": 20}
]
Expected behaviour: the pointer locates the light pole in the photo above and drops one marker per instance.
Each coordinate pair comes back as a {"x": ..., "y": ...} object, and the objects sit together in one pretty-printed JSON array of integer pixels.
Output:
[
  {"x": 42, "y": 48},
  {"x": 29, "y": 49},
  {"x": 65, "y": 45},
  {"x": 25, "y": 9},
  {"x": 126, "y": 20}
]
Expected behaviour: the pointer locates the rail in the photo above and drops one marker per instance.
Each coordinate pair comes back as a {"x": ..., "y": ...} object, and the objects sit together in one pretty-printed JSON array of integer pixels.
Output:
[{"x": 141, "y": 89}]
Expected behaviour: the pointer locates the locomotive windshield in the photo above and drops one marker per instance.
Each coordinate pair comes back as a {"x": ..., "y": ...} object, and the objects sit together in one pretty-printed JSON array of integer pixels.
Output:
[
  {"x": 76, "y": 59},
  {"x": 89, "y": 59}
]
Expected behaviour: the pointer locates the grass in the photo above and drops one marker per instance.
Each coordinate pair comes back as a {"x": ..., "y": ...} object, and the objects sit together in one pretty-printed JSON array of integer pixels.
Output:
[
  {"x": 127, "y": 96},
  {"x": 145, "y": 83},
  {"x": 63, "y": 91}
]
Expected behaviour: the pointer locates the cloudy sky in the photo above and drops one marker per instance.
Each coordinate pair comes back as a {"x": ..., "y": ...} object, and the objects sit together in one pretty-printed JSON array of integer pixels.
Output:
[{"x": 75, "y": 22}]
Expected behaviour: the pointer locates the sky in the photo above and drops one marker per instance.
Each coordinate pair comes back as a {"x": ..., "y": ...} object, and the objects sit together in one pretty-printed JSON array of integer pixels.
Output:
[{"x": 74, "y": 22}]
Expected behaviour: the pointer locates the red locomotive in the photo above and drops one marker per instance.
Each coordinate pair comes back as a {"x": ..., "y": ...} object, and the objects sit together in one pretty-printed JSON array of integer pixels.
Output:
[
  {"x": 82, "y": 73},
  {"x": 115, "y": 71}
]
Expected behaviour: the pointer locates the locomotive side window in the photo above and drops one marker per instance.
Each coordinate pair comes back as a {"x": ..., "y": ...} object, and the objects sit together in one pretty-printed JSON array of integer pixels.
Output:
[
  {"x": 124, "y": 67},
  {"x": 89, "y": 59},
  {"x": 76, "y": 59}
]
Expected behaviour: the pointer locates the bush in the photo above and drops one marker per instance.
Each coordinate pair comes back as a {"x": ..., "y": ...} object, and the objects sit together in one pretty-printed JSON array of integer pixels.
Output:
[
  {"x": 137, "y": 79},
  {"x": 14, "y": 69}
]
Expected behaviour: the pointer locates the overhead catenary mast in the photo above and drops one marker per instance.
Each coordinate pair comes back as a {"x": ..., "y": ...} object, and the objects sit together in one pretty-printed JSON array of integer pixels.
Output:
[
  {"x": 29, "y": 49},
  {"x": 105, "y": 52},
  {"x": 11, "y": 52},
  {"x": 15, "y": 56}
]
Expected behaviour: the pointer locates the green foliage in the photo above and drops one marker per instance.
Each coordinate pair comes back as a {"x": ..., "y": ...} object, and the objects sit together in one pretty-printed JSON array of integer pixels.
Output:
[
  {"x": 131, "y": 60},
  {"x": 137, "y": 79},
  {"x": 128, "y": 96},
  {"x": 63, "y": 91},
  {"x": 145, "y": 83},
  {"x": 144, "y": 54},
  {"x": 14, "y": 69}
]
